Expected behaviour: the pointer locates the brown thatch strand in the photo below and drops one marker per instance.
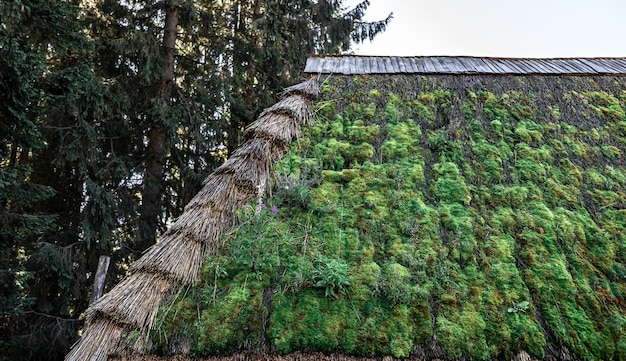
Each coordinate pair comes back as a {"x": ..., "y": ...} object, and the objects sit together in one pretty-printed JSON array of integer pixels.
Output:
[
  {"x": 219, "y": 190},
  {"x": 254, "y": 149},
  {"x": 279, "y": 129},
  {"x": 177, "y": 258},
  {"x": 237, "y": 165},
  {"x": 294, "y": 107},
  {"x": 96, "y": 344},
  {"x": 134, "y": 301},
  {"x": 309, "y": 90},
  {"x": 251, "y": 171}
]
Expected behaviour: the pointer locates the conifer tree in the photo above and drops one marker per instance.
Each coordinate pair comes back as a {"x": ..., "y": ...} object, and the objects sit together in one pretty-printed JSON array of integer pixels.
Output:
[
  {"x": 34, "y": 275},
  {"x": 113, "y": 112}
]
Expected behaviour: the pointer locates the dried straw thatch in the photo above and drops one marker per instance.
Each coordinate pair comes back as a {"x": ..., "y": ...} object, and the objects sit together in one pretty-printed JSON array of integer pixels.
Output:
[{"x": 131, "y": 306}]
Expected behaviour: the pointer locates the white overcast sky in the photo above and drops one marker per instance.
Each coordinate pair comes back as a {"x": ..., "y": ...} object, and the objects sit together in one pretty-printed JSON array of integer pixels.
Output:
[{"x": 499, "y": 28}]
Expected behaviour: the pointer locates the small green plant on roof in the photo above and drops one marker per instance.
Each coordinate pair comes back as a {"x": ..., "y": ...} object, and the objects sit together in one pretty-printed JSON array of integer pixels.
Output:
[
  {"x": 332, "y": 275},
  {"x": 518, "y": 307}
]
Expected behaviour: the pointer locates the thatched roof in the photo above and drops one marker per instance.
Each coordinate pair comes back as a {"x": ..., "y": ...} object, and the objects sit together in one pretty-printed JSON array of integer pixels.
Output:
[
  {"x": 425, "y": 215},
  {"x": 129, "y": 308}
]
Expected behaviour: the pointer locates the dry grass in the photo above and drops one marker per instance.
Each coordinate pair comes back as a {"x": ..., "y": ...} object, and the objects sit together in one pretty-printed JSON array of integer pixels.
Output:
[
  {"x": 173, "y": 257},
  {"x": 278, "y": 129},
  {"x": 96, "y": 344},
  {"x": 177, "y": 258},
  {"x": 133, "y": 302}
]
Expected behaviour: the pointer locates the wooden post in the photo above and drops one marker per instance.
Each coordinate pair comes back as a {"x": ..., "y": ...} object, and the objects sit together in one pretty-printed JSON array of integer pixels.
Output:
[{"x": 101, "y": 275}]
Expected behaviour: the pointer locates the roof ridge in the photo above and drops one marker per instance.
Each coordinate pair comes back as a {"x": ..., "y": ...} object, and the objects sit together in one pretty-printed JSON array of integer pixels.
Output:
[
  {"x": 348, "y": 64},
  {"x": 465, "y": 56}
]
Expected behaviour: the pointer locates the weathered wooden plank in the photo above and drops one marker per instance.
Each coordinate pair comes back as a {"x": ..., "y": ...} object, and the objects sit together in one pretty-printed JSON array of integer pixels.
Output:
[
  {"x": 517, "y": 68},
  {"x": 418, "y": 64},
  {"x": 498, "y": 69},
  {"x": 450, "y": 65},
  {"x": 402, "y": 65},
  {"x": 467, "y": 65},
  {"x": 533, "y": 67},
  {"x": 345, "y": 65},
  {"x": 550, "y": 67},
  {"x": 528, "y": 66},
  {"x": 374, "y": 65},
  {"x": 592, "y": 65},
  {"x": 475, "y": 64},
  {"x": 504, "y": 65},
  {"x": 493, "y": 66},
  {"x": 388, "y": 66},
  {"x": 337, "y": 65},
  {"x": 371, "y": 65},
  {"x": 600, "y": 68},
  {"x": 312, "y": 65},
  {"x": 430, "y": 65},
  {"x": 326, "y": 65},
  {"x": 393, "y": 60},
  {"x": 445, "y": 65},
  {"x": 481, "y": 66},
  {"x": 367, "y": 64},
  {"x": 565, "y": 67},
  {"x": 609, "y": 64},
  {"x": 622, "y": 64},
  {"x": 409, "y": 63},
  {"x": 556, "y": 68},
  {"x": 352, "y": 64},
  {"x": 439, "y": 68},
  {"x": 540, "y": 66},
  {"x": 358, "y": 65},
  {"x": 510, "y": 65},
  {"x": 576, "y": 66},
  {"x": 378, "y": 66},
  {"x": 537, "y": 66}
]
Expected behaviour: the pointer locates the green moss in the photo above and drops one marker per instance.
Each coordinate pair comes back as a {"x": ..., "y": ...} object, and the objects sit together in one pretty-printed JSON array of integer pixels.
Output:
[{"x": 487, "y": 215}]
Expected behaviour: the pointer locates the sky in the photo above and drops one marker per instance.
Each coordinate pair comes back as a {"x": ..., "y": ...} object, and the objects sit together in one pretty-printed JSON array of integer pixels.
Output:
[{"x": 499, "y": 28}]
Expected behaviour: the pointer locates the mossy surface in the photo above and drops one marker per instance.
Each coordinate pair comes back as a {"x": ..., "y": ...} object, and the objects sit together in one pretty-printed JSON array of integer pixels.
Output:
[{"x": 481, "y": 215}]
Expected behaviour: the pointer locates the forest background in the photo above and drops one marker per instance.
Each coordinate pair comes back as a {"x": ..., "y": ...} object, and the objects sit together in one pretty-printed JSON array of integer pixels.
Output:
[{"x": 112, "y": 112}]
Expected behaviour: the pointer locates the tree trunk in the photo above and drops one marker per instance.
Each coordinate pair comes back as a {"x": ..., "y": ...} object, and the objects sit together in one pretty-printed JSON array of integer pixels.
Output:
[{"x": 153, "y": 179}]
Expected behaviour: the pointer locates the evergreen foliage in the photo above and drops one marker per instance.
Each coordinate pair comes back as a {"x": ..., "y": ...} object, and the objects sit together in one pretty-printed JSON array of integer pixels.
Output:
[
  {"x": 424, "y": 213},
  {"x": 108, "y": 131},
  {"x": 39, "y": 285}
]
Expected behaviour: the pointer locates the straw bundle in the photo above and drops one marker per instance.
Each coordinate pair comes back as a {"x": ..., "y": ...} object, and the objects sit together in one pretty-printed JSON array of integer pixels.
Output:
[
  {"x": 278, "y": 129},
  {"x": 130, "y": 302},
  {"x": 218, "y": 190},
  {"x": 97, "y": 343},
  {"x": 177, "y": 258},
  {"x": 254, "y": 149},
  {"x": 292, "y": 107}
]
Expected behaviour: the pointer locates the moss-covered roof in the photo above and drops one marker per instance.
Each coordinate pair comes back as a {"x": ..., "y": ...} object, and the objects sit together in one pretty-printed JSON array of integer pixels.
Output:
[{"x": 430, "y": 216}]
